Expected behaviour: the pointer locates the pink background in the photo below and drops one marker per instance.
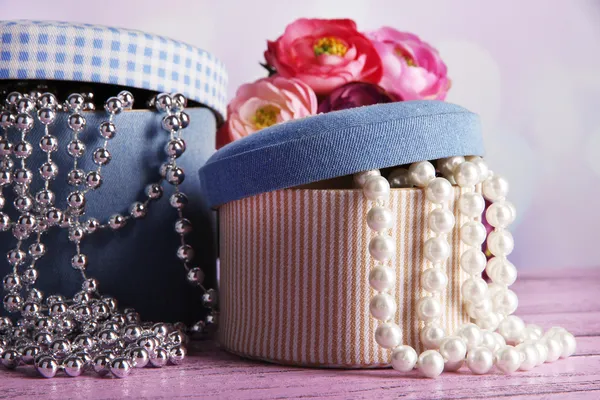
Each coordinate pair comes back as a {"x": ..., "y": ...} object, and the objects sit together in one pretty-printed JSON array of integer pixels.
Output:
[{"x": 531, "y": 69}]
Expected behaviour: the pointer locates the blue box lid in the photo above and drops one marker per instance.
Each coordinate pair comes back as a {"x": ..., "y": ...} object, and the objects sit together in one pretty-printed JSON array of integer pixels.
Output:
[
  {"x": 67, "y": 51},
  {"x": 339, "y": 143}
]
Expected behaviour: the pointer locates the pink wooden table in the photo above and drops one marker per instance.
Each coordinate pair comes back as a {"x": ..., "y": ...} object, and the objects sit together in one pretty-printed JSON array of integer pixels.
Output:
[{"x": 570, "y": 298}]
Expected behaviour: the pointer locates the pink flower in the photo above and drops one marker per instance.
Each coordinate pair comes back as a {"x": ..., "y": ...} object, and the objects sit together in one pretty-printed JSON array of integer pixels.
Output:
[
  {"x": 325, "y": 54},
  {"x": 412, "y": 69},
  {"x": 354, "y": 94},
  {"x": 263, "y": 103}
]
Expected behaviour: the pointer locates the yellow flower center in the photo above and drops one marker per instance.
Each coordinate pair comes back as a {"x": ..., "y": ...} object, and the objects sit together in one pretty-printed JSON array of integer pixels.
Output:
[
  {"x": 265, "y": 116},
  {"x": 407, "y": 57},
  {"x": 331, "y": 46}
]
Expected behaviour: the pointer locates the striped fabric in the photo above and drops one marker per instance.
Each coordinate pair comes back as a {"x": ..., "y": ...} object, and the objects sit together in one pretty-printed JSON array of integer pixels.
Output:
[{"x": 294, "y": 276}]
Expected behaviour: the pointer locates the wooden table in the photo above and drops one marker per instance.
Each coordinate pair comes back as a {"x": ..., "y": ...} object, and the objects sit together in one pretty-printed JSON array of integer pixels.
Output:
[{"x": 570, "y": 298}]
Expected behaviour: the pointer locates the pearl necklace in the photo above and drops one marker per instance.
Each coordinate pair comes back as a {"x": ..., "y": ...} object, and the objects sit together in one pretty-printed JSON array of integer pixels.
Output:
[
  {"x": 87, "y": 332},
  {"x": 497, "y": 337}
]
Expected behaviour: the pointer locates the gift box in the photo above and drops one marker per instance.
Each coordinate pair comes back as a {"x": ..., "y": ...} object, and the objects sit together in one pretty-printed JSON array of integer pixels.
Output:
[
  {"x": 137, "y": 264},
  {"x": 294, "y": 285}
]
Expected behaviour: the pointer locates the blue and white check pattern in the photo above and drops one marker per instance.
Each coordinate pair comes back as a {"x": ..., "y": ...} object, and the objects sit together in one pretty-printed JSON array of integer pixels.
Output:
[{"x": 89, "y": 53}]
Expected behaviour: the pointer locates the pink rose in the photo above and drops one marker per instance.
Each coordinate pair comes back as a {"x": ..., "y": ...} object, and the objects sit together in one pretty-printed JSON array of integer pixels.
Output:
[
  {"x": 325, "y": 54},
  {"x": 412, "y": 69},
  {"x": 354, "y": 94},
  {"x": 263, "y": 103}
]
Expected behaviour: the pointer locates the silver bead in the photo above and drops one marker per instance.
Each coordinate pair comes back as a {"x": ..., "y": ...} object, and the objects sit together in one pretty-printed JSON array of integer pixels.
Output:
[
  {"x": 6, "y": 165},
  {"x": 183, "y": 226},
  {"x": 81, "y": 297},
  {"x": 159, "y": 358},
  {"x": 76, "y": 200},
  {"x": 210, "y": 298},
  {"x": 102, "y": 156},
  {"x": 7, "y": 120},
  {"x": 75, "y": 102},
  {"x": 24, "y": 122},
  {"x": 4, "y": 222},
  {"x": 23, "y": 203},
  {"x": 57, "y": 309},
  {"x": 127, "y": 99},
  {"x": 149, "y": 343},
  {"x": 93, "y": 180},
  {"x": 35, "y": 295},
  {"x": 138, "y": 210},
  {"x": 154, "y": 191},
  {"x": 47, "y": 100},
  {"x": 79, "y": 262},
  {"x": 54, "y": 216},
  {"x": 76, "y": 148},
  {"x": 132, "y": 317},
  {"x": 23, "y": 176},
  {"x": 111, "y": 302},
  {"x": 12, "y": 302},
  {"x": 176, "y": 338},
  {"x": 113, "y": 105},
  {"x": 12, "y": 98},
  {"x": 139, "y": 357},
  {"x": 44, "y": 198},
  {"x": 178, "y": 200},
  {"x": 195, "y": 276},
  {"x": 117, "y": 221},
  {"x": 65, "y": 326},
  {"x": 82, "y": 313},
  {"x": 48, "y": 171},
  {"x": 100, "y": 311},
  {"x": 163, "y": 102},
  {"x": 46, "y": 115},
  {"x": 30, "y": 309},
  {"x": 5, "y": 148},
  {"x": 23, "y": 150},
  {"x": 84, "y": 341},
  {"x": 179, "y": 101},
  {"x": 30, "y": 353},
  {"x": 185, "y": 119},
  {"x": 120, "y": 367},
  {"x": 29, "y": 276},
  {"x": 175, "y": 176},
  {"x": 76, "y": 234},
  {"x": 177, "y": 354},
  {"x": 60, "y": 347},
  {"x": 185, "y": 253},
  {"x": 47, "y": 367},
  {"x": 108, "y": 337},
  {"x": 49, "y": 143},
  {"x": 91, "y": 225},
  {"x": 73, "y": 366},
  {"x": 76, "y": 122},
  {"x": 175, "y": 148},
  {"x": 131, "y": 333},
  {"x": 160, "y": 330},
  {"x": 101, "y": 364},
  {"x": 25, "y": 105},
  {"x": 26, "y": 221},
  {"x": 89, "y": 285},
  {"x": 54, "y": 299},
  {"x": 15, "y": 257},
  {"x": 11, "y": 282},
  {"x": 108, "y": 130},
  {"x": 171, "y": 123}
]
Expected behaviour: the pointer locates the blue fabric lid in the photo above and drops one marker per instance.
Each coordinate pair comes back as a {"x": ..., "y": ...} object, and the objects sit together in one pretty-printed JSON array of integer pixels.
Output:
[
  {"x": 339, "y": 143},
  {"x": 67, "y": 51}
]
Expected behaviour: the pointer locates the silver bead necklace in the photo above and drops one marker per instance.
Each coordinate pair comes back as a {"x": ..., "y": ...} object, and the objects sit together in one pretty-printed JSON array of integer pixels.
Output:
[{"x": 87, "y": 332}]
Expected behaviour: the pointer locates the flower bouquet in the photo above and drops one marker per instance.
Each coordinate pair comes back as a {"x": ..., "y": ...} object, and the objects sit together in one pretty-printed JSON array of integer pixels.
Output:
[{"x": 322, "y": 65}]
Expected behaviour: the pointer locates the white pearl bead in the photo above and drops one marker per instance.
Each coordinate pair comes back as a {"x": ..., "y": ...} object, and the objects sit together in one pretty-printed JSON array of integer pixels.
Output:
[
  {"x": 555, "y": 349},
  {"x": 453, "y": 366},
  {"x": 473, "y": 233},
  {"x": 511, "y": 328},
  {"x": 495, "y": 188},
  {"x": 568, "y": 342},
  {"x": 471, "y": 204},
  {"x": 499, "y": 215},
  {"x": 376, "y": 188},
  {"x": 441, "y": 220},
  {"x": 494, "y": 288},
  {"x": 501, "y": 271},
  {"x": 508, "y": 359},
  {"x": 529, "y": 356},
  {"x": 428, "y": 309},
  {"x": 382, "y": 306},
  {"x": 453, "y": 348},
  {"x": 382, "y": 278},
  {"x": 447, "y": 165},
  {"x": 490, "y": 322},
  {"x": 380, "y": 218},
  {"x": 434, "y": 280},
  {"x": 382, "y": 247},
  {"x": 361, "y": 177},
  {"x": 421, "y": 173},
  {"x": 505, "y": 301},
  {"x": 480, "y": 360},
  {"x": 488, "y": 340},
  {"x": 473, "y": 261},
  {"x": 466, "y": 174},
  {"x": 500, "y": 339},
  {"x": 399, "y": 178},
  {"x": 431, "y": 363},
  {"x": 552, "y": 332},
  {"x": 431, "y": 336},
  {"x": 388, "y": 335},
  {"x": 436, "y": 249},
  {"x": 439, "y": 190},
  {"x": 542, "y": 349},
  {"x": 536, "y": 329},
  {"x": 500, "y": 243},
  {"x": 484, "y": 171},
  {"x": 471, "y": 335},
  {"x": 513, "y": 210},
  {"x": 474, "y": 290},
  {"x": 404, "y": 358},
  {"x": 530, "y": 335}
]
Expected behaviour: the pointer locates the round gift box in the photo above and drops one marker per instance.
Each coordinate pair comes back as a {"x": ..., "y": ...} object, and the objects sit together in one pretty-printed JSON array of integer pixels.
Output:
[
  {"x": 137, "y": 264},
  {"x": 294, "y": 261}
]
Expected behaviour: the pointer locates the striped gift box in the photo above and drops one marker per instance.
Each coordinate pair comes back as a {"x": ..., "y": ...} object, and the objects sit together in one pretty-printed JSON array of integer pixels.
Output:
[{"x": 294, "y": 276}]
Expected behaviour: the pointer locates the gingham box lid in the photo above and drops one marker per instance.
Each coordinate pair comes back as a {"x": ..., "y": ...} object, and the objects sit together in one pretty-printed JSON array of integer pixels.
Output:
[{"x": 89, "y": 53}]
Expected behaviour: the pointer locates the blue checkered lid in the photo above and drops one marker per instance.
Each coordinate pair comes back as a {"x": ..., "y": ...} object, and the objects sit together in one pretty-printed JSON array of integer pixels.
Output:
[{"x": 89, "y": 53}]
